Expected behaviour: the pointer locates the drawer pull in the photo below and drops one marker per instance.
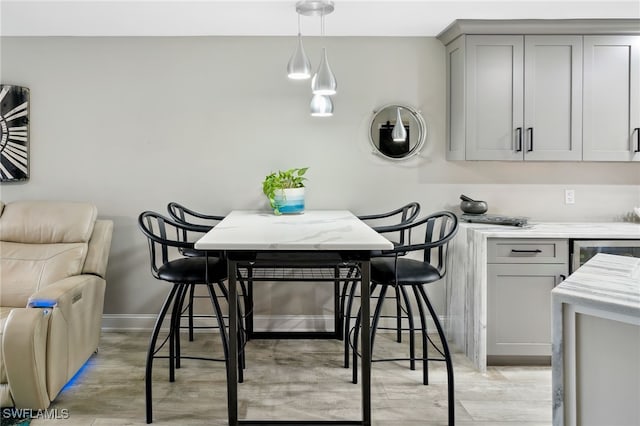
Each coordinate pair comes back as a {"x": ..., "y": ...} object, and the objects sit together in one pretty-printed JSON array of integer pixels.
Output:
[{"x": 526, "y": 251}]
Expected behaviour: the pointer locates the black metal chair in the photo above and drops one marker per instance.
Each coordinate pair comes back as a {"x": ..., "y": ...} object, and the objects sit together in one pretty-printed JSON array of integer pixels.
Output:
[
  {"x": 203, "y": 222},
  {"x": 391, "y": 220},
  {"x": 167, "y": 264},
  {"x": 182, "y": 214},
  {"x": 401, "y": 271}
]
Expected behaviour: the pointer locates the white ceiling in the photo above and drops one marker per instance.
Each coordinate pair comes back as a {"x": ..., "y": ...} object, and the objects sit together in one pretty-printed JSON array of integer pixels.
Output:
[{"x": 278, "y": 17}]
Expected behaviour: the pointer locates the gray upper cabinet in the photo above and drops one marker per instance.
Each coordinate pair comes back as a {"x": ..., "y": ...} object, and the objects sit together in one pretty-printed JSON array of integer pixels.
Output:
[
  {"x": 522, "y": 100},
  {"x": 494, "y": 108},
  {"x": 543, "y": 90},
  {"x": 612, "y": 98},
  {"x": 552, "y": 98}
]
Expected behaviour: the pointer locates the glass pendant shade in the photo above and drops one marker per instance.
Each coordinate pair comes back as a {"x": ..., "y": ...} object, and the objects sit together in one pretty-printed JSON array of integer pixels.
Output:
[
  {"x": 324, "y": 82},
  {"x": 399, "y": 133},
  {"x": 321, "y": 106},
  {"x": 299, "y": 66}
]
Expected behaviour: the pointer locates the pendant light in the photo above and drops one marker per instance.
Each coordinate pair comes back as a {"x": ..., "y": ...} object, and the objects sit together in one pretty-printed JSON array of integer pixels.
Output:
[
  {"x": 324, "y": 82},
  {"x": 399, "y": 133},
  {"x": 299, "y": 66},
  {"x": 321, "y": 106}
]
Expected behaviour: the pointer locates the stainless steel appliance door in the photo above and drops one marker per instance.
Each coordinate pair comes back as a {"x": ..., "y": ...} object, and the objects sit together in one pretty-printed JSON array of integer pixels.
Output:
[{"x": 583, "y": 250}]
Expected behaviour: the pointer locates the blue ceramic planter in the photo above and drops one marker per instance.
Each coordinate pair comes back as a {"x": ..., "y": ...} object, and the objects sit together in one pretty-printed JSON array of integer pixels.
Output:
[{"x": 290, "y": 200}]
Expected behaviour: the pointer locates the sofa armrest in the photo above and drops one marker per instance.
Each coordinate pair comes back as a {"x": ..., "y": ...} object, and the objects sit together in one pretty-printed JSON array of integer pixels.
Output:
[
  {"x": 63, "y": 294},
  {"x": 24, "y": 343},
  {"x": 74, "y": 327}
]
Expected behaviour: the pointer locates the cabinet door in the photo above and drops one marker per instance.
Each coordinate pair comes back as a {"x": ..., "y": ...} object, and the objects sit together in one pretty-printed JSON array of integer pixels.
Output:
[
  {"x": 519, "y": 308},
  {"x": 611, "y": 98},
  {"x": 495, "y": 88},
  {"x": 553, "y": 98}
]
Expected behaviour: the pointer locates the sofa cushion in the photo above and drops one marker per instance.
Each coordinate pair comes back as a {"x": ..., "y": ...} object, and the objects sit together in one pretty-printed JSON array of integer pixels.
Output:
[
  {"x": 45, "y": 222},
  {"x": 27, "y": 268}
]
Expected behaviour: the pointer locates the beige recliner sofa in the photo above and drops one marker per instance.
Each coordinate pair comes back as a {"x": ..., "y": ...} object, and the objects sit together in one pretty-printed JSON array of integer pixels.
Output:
[{"x": 53, "y": 258}]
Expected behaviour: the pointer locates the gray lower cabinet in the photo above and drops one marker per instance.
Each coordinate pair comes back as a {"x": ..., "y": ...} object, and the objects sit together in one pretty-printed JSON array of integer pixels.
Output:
[
  {"x": 612, "y": 98},
  {"x": 520, "y": 277},
  {"x": 522, "y": 97}
]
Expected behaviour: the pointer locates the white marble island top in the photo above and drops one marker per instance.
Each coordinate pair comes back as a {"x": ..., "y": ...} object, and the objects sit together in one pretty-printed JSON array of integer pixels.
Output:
[
  {"x": 606, "y": 282},
  {"x": 591, "y": 313},
  {"x": 330, "y": 230}
]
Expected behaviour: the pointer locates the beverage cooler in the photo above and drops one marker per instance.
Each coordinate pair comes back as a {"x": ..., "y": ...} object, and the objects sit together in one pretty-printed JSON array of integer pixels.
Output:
[{"x": 583, "y": 250}]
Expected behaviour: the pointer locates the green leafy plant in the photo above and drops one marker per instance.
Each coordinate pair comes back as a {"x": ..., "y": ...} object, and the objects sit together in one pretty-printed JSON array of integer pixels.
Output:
[{"x": 282, "y": 179}]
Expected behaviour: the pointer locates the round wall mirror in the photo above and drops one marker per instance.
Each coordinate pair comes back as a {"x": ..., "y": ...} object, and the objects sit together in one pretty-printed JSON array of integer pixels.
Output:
[{"x": 393, "y": 141}]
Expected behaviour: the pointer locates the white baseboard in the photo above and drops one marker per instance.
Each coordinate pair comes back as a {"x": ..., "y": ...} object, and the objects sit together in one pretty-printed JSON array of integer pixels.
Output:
[{"x": 302, "y": 323}]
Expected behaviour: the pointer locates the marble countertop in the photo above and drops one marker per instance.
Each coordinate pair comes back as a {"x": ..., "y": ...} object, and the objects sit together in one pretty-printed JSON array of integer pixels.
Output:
[
  {"x": 623, "y": 230},
  {"x": 332, "y": 230},
  {"x": 607, "y": 282}
]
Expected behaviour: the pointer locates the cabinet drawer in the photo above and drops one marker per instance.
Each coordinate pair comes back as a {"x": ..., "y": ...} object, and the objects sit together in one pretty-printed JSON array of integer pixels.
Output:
[{"x": 507, "y": 250}]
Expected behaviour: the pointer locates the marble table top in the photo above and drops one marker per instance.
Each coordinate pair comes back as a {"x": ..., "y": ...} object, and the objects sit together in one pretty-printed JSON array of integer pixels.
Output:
[
  {"x": 607, "y": 282},
  {"x": 625, "y": 230},
  {"x": 331, "y": 230}
]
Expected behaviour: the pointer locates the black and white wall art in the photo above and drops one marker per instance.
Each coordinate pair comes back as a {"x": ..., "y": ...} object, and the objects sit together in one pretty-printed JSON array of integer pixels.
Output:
[{"x": 14, "y": 133}]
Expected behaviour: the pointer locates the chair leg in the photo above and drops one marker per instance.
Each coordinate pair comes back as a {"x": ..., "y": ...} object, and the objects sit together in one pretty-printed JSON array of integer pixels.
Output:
[
  {"x": 398, "y": 316},
  {"x": 222, "y": 326},
  {"x": 337, "y": 305},
  {"x": 356, "y": 334},
  {"x": 176, "y": 321},
  {"x": 173, "y": 336},
  {"x": 152, "y": 349},
  {"x": 376, "y": 314},
  {"x": 425, "y": 341},
  {"x": 447, "y": 358},
  {"x": 347, "y": 318},
  {"x": 412, "y": 329},
  {"x": 220, "y": 319},
  {"x": 191, "y": 299},
  {"x": 241, "y": 340},
  {"x": 344, "y": 320}
]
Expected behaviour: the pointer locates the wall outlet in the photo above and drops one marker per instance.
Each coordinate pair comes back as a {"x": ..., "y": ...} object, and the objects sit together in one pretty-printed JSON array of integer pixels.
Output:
[{"x": 569, "y": 196}]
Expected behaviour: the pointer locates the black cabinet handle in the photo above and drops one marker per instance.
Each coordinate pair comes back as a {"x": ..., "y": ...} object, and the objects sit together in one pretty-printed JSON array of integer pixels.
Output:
[
  {"x": 530, "y": 130},
  {"x": 637, "y": 130},
  {"x": 519, "y": 147},
  {"x": 526, "y": 251}
]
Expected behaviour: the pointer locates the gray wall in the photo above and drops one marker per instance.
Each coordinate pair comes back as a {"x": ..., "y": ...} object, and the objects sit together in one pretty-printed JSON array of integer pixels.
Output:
[{"x": 132, "y": 123}]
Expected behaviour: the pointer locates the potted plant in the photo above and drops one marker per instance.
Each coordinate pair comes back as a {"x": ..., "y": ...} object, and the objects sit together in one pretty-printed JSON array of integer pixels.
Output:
[{"x": 285, "y": 190}]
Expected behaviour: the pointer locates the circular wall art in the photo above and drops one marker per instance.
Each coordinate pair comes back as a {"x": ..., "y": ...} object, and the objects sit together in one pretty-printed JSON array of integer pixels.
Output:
[{"x": 14, "y": 133}]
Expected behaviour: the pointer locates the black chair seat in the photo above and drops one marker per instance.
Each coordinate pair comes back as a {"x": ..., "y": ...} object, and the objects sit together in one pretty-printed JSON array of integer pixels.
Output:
[
  {"x": 410, "y": 271},
  {"x": 191, "y": 270}
]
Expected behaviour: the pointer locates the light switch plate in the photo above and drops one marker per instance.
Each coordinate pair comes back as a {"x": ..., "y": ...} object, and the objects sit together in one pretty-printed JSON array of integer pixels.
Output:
[{"x": 569, "y": 196}]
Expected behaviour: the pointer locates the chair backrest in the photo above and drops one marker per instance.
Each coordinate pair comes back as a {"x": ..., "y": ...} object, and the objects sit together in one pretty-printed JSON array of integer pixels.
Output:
[
  {"x": 158, "y": 228},
  {"x": 406, "y": 213},
  {"x": 439, "y": 228},
  {"x": 182, "y": 214}
]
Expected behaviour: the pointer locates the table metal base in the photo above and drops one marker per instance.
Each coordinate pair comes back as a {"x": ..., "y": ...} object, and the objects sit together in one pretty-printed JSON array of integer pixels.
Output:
[{"x": 238, "y": 259}]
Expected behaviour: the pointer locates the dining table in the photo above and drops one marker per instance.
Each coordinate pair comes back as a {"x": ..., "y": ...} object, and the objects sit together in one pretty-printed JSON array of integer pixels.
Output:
[{"x": 253, "y": 239}]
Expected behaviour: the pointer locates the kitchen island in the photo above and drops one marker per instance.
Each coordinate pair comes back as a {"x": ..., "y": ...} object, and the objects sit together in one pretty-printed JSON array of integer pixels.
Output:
[
  {"x": 596, "y": 344},
  {"x": 499, "y": 279}
]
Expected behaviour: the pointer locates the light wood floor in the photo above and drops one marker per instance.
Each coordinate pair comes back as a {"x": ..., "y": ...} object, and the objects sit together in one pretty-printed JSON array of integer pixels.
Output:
[{"x": 295, "y": 379}]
